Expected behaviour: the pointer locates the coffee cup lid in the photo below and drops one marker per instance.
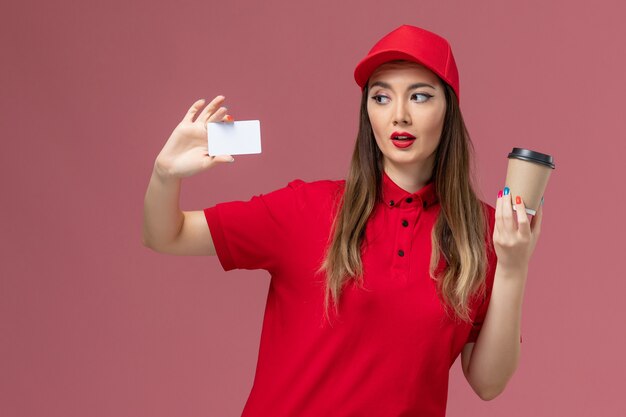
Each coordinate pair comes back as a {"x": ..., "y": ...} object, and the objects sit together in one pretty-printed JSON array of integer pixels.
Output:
[{"x": 532, "y": 156}]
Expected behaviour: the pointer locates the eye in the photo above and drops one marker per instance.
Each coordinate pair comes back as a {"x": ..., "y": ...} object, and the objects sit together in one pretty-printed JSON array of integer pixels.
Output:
[
  {"x": 428, "y": 96},
  {"x": 425, "y": 98},
  {"x": 377, "y": 96}
]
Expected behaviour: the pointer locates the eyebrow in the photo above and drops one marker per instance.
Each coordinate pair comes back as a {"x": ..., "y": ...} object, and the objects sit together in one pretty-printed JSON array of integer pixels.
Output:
[{"x": 411, "y": 87}]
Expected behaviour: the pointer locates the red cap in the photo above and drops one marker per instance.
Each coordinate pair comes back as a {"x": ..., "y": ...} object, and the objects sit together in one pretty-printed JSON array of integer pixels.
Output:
[{"x": 413, "y": 44}]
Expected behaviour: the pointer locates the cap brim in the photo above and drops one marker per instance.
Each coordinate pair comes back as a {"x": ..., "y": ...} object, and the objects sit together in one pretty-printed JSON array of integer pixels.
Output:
[{"x": 368, "y": 65}]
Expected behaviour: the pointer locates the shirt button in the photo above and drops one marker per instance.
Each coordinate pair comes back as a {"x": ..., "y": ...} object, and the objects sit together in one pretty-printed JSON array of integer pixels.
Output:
[
  {"x": 401, "y": 252},
  {"x": 405, "y": 223},
  {"x": 391, "y": 203},
  {"x": 408, "y": 200}
]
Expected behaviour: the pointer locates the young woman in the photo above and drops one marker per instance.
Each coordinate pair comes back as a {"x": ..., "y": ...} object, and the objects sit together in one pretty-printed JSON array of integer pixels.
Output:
[{"x": 381, "y": 280}]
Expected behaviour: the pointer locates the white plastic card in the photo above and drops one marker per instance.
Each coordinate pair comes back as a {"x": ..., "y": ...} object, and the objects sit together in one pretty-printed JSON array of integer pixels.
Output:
[{"x": 234, "y": 138}]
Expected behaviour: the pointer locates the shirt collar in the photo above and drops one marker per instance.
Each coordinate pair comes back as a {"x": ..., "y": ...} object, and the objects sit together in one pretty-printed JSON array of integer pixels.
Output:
[{"x": 395, "y": 196}]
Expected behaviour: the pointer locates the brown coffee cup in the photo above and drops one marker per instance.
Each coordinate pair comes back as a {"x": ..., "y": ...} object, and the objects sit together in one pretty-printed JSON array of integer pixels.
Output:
[{"x": 527, "y": 175}]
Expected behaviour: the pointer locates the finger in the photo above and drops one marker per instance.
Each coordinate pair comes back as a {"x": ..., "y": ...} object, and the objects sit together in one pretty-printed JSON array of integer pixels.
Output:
[
  {"x": 217, "y": 116},
  {"x": 535, "y": 224},
  {"x": 208, "y": 161},
  {"x": 508, "y": 222},
  {"x": 224, "y": 158},
  {"x": 228, "y": 118},
  {"x": 210, "y": 109},
  {"x": 523, "y": 224},
  {"x": 193, "y": 110},
  {"x": 499, "y": 225}
]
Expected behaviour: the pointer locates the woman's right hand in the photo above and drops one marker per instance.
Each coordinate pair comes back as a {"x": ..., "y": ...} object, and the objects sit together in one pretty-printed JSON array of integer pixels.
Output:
[{"x": 186, "y": 151}]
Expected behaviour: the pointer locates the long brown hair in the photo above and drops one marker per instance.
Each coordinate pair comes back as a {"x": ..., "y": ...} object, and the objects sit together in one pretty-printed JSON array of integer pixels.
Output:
[{"x": 459, "y": 233}]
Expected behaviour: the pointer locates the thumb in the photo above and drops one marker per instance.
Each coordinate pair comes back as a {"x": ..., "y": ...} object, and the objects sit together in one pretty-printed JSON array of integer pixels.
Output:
[{"x": 223, "y": 158}]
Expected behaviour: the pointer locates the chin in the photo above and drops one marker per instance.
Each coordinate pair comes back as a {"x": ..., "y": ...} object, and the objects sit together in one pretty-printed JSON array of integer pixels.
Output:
[{"x": 406, "y": 159}]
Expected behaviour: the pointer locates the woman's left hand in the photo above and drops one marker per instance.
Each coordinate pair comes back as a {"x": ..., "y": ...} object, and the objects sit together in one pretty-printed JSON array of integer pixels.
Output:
[{"x": 514, "y": 235}]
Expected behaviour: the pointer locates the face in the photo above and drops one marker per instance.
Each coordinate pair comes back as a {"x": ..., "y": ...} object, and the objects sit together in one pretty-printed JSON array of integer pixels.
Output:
[{"x": 396, "y": 104}]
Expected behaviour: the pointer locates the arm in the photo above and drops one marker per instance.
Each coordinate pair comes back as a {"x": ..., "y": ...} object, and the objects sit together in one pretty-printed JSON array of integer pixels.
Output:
[
  {"x": 489, "y": 364},
  {"x": 166, "y": 228}
]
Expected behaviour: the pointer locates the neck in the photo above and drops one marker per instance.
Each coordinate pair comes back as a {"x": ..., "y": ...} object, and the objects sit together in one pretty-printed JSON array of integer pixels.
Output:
[{"x": 409, "y": 178}]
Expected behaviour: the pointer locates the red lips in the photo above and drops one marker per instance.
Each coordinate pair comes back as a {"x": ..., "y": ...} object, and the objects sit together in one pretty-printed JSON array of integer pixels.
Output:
[{"x": 406, "y": 134}]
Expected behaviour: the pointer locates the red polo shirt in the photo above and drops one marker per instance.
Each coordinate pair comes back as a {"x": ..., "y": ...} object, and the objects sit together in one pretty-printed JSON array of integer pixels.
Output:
[{"x": 389, "y": 351}]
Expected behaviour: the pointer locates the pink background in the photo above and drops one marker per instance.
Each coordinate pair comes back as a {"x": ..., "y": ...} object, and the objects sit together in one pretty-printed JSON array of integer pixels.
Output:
[{"x": 92, "y": 323}]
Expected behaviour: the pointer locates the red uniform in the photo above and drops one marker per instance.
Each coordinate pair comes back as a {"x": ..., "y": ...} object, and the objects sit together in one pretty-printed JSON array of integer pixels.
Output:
[{"x": 389, "y": 351}]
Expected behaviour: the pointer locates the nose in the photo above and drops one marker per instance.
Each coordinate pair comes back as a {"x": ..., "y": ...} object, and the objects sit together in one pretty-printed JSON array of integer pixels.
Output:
[{"x": 401, "y": 114}]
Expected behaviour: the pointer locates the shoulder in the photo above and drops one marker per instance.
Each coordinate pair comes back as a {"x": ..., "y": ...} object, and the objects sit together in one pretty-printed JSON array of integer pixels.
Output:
[
  {"x": 323, "y": 185},
  {"x": 491, "y": 255},
  {"x": 317, "y": 188},
  {"x": 300, "y": 194},
  {"x": 490, "y": 211}
]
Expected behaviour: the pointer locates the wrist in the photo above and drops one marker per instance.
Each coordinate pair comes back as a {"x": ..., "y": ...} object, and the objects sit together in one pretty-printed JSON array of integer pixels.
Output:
[
  {"x": 161, "y": 172},
  {"x": 512, "y": 270}
]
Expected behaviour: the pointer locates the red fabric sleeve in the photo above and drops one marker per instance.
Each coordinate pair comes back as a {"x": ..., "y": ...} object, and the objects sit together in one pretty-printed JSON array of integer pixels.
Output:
[
  {"x": 253, "y": 234},
  {"x": 491, "y": 270}
]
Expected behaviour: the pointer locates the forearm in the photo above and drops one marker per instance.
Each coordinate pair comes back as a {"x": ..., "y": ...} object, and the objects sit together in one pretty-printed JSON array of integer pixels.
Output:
[
  {"x": 496, "y": 353},
  {"x": 162, "y": 217}
]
